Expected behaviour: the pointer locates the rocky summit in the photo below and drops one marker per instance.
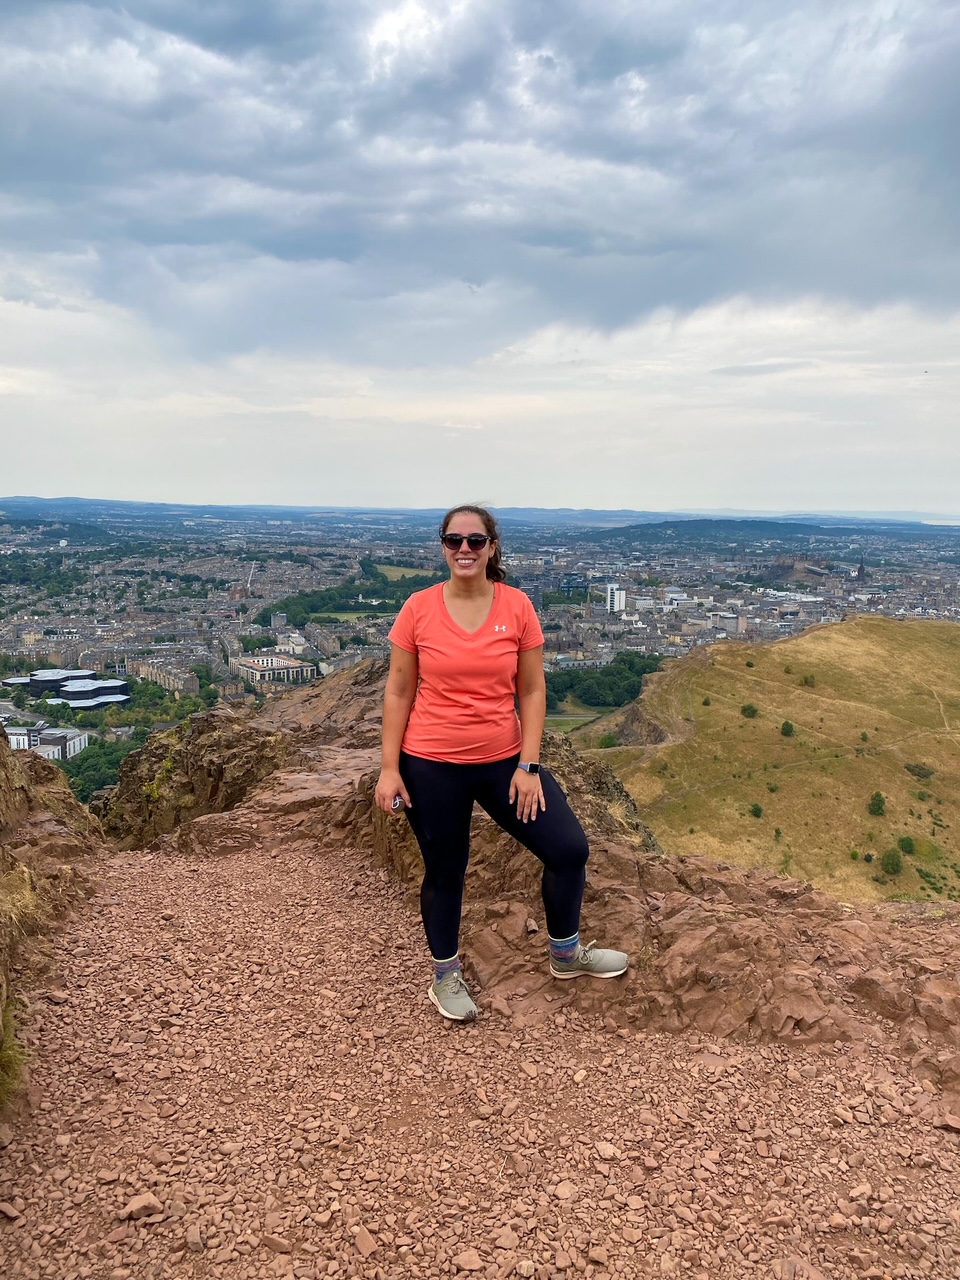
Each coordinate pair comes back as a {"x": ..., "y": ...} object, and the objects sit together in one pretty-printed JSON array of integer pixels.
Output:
[{"x": 233, "y": 1069}]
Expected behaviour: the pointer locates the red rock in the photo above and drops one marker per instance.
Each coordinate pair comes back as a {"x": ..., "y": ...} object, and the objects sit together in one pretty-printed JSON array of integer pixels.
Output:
[
  {"x": 365, "y": 1242},
  {"x": 142, "y": 1206},
  {"x": 469, "y": 1260}
]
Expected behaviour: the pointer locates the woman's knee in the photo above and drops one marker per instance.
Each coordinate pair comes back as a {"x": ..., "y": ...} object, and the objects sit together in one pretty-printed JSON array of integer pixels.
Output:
[
  {"x": 444, "y": 879},
  {"x": 569, "y": 852}
]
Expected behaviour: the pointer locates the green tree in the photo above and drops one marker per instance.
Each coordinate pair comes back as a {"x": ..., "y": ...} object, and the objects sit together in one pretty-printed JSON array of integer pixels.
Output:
[
  {"x": 787, "y": 729},
  {"x": 608, "y": 740},
  {"x": 756, "y": 810},
  {"x": 99, "y": 765},
  {"x": 921, "y": 771},
  {"x": 251, "y": 644},
  {"x": 907, "y": 844},
  {"x": 749, "y": 710},
  {"x": 891, "y": 863},
  {"x": 877, "y": 805}
]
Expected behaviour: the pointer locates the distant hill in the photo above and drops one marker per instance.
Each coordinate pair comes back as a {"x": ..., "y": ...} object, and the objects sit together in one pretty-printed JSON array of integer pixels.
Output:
[
  {"x": 875, "y": 705},
  {"x": 618, "y": 525},
  {"x": 692, "y": 531}
]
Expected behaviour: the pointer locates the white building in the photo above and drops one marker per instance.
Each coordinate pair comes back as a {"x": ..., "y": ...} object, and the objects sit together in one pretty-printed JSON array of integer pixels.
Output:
[
  {"x": 52, "y": 744},
  {"x": 273, "y": 668},
  {"x": 616, "y": 598}
]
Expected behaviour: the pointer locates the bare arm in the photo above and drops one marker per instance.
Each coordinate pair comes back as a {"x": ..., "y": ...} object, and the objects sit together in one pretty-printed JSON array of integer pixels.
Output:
[
  {"x": 532, "y": 699},
  {"x": 397, "y": 700}
]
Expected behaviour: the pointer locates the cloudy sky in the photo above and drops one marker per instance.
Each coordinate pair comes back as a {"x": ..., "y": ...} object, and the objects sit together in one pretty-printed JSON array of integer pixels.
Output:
[{"x": 645, "y": 253}]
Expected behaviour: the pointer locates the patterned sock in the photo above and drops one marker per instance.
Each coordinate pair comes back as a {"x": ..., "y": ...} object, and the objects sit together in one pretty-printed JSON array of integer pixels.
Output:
[
  {"x": 442, "y": 967},
  {"x": 564, "y": 949}
]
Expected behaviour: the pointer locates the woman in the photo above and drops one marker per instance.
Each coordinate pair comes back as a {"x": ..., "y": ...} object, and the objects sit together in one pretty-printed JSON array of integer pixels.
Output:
[{"x": 465, "y": 653}]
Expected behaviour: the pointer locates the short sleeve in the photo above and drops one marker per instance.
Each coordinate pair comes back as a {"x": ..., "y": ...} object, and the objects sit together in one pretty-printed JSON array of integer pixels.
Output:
[
  {"x": 403, "y": 631},
  {"x": 530, "y": 631}
]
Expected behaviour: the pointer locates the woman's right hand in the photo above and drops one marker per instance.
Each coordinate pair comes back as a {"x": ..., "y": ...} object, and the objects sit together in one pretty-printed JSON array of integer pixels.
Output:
[{"x": 389, "y": 786}]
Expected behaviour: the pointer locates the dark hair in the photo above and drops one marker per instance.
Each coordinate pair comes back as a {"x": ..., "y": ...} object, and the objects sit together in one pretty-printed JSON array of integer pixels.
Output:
[{"x": 495, "y": 569}]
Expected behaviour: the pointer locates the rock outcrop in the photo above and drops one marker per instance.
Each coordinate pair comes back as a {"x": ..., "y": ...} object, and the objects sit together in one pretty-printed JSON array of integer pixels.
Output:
[
  {"x": 209, "y": 763},
  {"x": 205, "y": 765},
  {"x": 48, "y": 844}
]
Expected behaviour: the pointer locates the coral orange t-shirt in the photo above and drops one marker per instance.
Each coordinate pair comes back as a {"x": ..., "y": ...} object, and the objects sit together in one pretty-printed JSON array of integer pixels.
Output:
[{"x": 464, "y": 710}]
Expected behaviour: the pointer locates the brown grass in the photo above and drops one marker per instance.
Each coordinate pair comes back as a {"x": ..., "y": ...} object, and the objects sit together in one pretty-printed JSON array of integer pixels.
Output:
[
  {"x": 19, "y": 911},
  {"x": 896, "y": 681},
  {"x": 12, "y": 1058}
]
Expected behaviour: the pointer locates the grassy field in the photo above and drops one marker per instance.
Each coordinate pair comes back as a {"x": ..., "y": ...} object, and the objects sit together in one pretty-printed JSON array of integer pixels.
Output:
[
  {"x": 393, "y": 572},
  {"x": 572, "y": 714},
  {"x": 561, "y": 723},
  {"x": 867, "y": 697}
]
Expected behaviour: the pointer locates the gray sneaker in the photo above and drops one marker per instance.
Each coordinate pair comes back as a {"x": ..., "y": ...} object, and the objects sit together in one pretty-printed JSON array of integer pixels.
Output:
[
  {"x": 452, "y": 997},
  {"x": 593, "y": 962}
]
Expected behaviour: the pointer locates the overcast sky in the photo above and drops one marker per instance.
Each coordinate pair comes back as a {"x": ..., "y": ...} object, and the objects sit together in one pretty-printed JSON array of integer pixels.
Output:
[{"x": 623, "y": 253}]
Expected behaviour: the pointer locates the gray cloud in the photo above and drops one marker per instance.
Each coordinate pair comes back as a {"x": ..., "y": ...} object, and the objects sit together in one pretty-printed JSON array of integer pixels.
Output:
[
  {"x": 429, "y": 181},
  {"x": 762, "y": 368}
]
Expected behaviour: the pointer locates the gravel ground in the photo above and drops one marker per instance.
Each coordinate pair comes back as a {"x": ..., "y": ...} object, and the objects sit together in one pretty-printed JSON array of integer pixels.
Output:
[{"x": 236, "y": 1073}]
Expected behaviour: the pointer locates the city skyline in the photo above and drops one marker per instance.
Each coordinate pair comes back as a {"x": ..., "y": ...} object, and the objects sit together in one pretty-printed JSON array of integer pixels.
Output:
[{"x": 681, "y": 257}]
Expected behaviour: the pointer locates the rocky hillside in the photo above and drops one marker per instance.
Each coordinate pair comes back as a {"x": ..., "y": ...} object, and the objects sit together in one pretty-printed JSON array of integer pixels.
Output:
[
  {"x": 49, "y": 843},
  {"x": 235, "y": 1070},
  {"x": 732, "y": 952}
]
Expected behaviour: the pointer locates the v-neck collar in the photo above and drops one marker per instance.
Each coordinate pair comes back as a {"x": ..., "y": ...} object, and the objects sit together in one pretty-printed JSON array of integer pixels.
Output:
[{"x": 456, "y": 625}]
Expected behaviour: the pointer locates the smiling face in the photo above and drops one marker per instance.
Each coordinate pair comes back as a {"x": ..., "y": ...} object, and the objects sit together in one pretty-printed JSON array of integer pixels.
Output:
[{"x": 466, "y": 565}]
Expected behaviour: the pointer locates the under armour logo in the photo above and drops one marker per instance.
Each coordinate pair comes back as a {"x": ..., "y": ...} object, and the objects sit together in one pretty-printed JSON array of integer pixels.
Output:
[{"x": 497, "y": 628}]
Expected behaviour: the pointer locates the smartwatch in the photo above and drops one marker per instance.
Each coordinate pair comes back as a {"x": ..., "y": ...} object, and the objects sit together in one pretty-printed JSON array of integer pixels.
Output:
[{"x": 529, "y": 768}]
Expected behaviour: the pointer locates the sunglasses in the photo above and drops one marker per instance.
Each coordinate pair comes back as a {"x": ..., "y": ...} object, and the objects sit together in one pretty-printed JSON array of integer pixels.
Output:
[{"x": 475, "y": 541}]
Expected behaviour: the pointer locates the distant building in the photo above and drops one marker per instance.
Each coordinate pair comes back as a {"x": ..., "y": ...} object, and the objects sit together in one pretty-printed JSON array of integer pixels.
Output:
[
  {"x": 52, "y": 744},
  {"x": 93, "y": 695},
  {"x": 78, "y": 688},
  {"x": 291, "y": 642},
  {"x": 272, "y": 667},
  {"x": 616, "y": 598},
  {"x": 51, "y": 679},
  {"x": 171, "y": 678}
]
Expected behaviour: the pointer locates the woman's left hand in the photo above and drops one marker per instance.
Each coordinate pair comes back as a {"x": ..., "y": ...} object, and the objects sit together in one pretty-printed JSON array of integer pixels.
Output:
[{"x": 525, "y": 788}]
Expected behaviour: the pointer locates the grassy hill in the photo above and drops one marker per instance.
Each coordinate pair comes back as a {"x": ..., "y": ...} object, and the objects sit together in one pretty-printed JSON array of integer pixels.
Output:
[{"x": 867, "y": 698}]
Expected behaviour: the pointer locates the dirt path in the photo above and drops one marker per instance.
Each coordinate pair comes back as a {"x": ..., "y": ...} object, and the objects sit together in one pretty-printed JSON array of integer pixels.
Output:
[{"x": 237, "y": 1075}]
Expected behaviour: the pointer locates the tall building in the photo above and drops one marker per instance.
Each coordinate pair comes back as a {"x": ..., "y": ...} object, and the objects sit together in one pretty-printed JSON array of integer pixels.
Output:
[{"x": 616, "y": 598}]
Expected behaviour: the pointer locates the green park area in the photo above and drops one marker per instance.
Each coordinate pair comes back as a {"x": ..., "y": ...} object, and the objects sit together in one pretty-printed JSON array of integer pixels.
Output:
[{"x": 376, "y": 592}]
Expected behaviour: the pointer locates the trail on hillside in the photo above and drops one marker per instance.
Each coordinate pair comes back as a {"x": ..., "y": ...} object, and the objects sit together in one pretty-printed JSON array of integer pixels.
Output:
[{"x": 236, "y": 1073}]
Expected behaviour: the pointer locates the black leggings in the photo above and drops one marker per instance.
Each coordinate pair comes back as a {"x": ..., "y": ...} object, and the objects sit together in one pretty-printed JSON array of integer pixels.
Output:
[{"x": 442, "y": 797}]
